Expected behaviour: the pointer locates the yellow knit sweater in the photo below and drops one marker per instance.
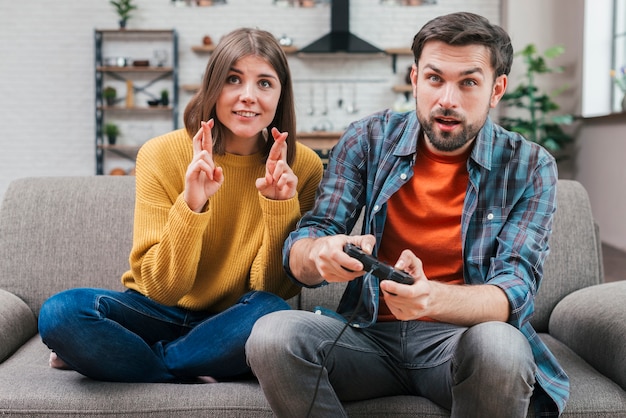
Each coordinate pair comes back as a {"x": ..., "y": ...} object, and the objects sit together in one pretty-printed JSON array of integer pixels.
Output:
[{"x": 208, "y": 260}]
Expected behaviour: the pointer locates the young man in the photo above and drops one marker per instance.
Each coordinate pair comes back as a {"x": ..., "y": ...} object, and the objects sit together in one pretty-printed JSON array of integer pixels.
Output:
[{"x": 462, "y": 205}]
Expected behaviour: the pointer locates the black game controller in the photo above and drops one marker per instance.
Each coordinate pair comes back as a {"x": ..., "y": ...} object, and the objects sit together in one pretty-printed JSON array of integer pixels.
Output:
[{"x": 377, "y": 268}]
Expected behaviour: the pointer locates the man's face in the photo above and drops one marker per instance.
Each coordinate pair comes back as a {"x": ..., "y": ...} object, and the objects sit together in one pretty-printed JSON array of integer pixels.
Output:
[{"x": 454, "y": 89}]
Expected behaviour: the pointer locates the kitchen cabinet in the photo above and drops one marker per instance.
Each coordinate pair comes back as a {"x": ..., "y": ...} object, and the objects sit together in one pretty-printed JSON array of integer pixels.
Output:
[{"x": 139, "y": 65}]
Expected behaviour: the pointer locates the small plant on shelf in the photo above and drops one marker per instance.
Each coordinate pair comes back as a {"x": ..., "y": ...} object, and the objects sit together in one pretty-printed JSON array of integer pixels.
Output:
[
  {"x": 123, "y": 9},
  {"x": 109, "y": 94},
  {"x": 165, "y": 97},
  {"x": 112, "y": 131}
]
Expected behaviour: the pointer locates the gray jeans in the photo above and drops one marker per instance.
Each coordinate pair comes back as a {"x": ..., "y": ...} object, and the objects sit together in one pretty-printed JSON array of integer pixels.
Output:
[{"x": 483, "y": 371}]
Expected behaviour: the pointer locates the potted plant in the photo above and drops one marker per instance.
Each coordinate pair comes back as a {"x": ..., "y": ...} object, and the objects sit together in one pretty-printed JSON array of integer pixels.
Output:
[
  {"x": 123, "y": 9},
  {"x": 112, "y": 131},
  {"x": 536, "y": 125},
  {"x": 109, "y": 94},
  {"x": 165, "y": 97}
]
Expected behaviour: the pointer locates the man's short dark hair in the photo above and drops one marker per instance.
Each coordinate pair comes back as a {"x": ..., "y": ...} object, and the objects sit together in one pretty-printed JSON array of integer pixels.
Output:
[{"x": 464, "y": 28}]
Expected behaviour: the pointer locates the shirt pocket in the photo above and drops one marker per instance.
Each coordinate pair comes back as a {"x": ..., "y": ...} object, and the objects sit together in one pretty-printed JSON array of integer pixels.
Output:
[{"x": 485, "y": 227}]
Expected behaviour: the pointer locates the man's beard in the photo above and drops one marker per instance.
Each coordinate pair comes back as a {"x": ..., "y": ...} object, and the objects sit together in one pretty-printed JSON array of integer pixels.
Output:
[{"x": 447, "y": 141}]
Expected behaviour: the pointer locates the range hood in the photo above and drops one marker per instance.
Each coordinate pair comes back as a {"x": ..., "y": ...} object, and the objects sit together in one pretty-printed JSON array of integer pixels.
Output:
[{"x": 340, "y": 39}]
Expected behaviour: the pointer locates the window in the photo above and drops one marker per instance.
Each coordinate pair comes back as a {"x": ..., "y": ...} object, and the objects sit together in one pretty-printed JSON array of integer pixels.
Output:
[
  {"x": 618, "y": 59},
  {"x": 604, "y": 50}
]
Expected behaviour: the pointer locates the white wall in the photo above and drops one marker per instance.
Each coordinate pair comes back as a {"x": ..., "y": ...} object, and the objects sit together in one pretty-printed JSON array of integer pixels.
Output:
[
  {"x": 601, "y": 141},
  {"x": 602, "y": 148},
  {"x": 598, "y": 154},
  {"x": 546, "y": 24}
]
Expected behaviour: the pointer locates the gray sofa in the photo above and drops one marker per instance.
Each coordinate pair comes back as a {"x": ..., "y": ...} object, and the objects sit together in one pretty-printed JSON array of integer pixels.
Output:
[{"x": 62, "y": 232}]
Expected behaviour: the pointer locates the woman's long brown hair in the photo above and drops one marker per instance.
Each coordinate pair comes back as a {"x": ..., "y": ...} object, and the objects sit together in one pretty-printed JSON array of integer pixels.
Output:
[{"x": 232, "y": 47}]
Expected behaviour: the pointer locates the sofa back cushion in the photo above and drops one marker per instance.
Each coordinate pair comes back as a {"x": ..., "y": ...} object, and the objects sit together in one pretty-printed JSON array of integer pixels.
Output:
[
  {"x": 62, "y": 232},
  {"x": 574, "y": 261}
]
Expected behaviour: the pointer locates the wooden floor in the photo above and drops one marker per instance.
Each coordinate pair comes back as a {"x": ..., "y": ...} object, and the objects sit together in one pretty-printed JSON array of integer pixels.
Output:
[{"x": 614, "y": 263}]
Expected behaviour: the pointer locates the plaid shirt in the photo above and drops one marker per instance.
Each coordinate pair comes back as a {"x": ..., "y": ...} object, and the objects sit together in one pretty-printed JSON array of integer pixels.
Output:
[{"x": 506, "y": 220}]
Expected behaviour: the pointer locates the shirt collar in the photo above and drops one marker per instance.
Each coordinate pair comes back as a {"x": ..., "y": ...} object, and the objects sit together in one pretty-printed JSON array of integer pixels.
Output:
[
  {"x": 483, "y": 149},
  {"x": 409, "y": 131}
]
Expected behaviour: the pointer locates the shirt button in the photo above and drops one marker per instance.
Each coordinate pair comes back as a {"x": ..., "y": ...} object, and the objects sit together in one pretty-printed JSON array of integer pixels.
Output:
[
  {"x": 376, "y": 207},
  {"x": 490, "y": 216},
  {"x": 403, "y": 176}
]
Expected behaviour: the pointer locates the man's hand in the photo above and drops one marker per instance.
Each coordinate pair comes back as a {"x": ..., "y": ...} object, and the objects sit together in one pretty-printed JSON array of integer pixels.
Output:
[
  {"x": 408, "y": 302},
  {"x": 464, "y": 305},
  {"x": 312, "y": 260}
]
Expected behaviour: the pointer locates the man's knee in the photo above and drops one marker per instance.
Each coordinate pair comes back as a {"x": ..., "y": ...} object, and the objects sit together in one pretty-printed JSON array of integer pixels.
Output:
[
  {"x": 496, "y": 349},
  {"x": 285, "y": 336},
  {"x": 270, "y": 336}
]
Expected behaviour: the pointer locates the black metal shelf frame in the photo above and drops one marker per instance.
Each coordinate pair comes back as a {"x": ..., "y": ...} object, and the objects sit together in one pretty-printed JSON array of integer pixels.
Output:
[{"x": 123, "y": 74}]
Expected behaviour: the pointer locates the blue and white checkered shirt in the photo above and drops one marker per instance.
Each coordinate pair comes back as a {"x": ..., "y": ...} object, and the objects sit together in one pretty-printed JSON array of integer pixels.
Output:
[{"x": 506, "y": 220}]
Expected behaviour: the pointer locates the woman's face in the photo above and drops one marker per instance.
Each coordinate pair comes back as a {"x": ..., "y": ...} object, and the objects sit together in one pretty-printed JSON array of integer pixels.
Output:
[{"x": 249, "y": 98}]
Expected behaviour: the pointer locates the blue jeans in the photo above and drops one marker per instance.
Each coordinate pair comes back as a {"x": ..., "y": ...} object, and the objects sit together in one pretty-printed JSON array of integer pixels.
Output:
[
  {"x": 483, "y": 371},
  {"x": 127, "y": 337}
]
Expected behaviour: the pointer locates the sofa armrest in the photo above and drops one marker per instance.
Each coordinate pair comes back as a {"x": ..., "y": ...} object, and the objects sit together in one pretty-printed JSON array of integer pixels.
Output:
[
  {"x": 17, "y": 323},
  {"x": 592, "y": 322}
]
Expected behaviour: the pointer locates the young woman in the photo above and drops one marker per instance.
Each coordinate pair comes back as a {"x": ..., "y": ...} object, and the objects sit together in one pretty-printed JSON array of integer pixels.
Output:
[{"x": 214, "y": 204}]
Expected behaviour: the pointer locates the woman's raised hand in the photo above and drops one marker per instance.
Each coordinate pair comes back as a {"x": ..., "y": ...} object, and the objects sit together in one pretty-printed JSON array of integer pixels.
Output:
[
  {"x": 203, "y": 177},
  {"x": 279, "y": 182}
]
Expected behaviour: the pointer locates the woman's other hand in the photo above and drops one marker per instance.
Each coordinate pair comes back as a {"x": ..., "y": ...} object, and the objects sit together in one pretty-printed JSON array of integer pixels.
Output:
[{"x": 280, "y": 181}]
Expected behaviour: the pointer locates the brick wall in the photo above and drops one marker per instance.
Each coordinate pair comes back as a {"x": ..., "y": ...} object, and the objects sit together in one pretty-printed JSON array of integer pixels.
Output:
[{"x": 47, "y": 66}]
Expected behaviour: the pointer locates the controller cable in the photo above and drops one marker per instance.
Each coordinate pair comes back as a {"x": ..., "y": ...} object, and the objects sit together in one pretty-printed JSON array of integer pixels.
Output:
[{"x": 323, "y": 365}]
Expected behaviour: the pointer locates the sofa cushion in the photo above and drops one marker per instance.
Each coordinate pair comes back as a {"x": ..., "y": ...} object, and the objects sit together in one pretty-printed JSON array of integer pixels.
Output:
[
  {"x": 575, "y": 259},
  {"x": 17, "y": 323},
  {"x": 78, "y": 229},
  {"x": 592, "y": 322},
  {"x": 591, "y": 393},
  {"x": 29, "y": 387}
]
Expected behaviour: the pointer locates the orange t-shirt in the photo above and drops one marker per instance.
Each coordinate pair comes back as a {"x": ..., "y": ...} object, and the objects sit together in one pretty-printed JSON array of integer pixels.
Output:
[{"x": 425, "y": 217}]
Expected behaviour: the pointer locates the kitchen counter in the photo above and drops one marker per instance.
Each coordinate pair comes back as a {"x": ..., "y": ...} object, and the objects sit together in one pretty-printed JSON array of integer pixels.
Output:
[{"x": 319, "y": 140}]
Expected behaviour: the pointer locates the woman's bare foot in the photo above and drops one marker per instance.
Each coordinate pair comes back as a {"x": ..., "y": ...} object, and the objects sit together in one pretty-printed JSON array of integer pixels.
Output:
[
  {"x": 56, "y": 363},
  {"x": 206, "y": 379}
]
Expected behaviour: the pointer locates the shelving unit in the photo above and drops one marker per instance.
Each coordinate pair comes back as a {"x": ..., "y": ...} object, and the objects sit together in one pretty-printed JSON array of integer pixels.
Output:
[{"x": 140, "y": 81}]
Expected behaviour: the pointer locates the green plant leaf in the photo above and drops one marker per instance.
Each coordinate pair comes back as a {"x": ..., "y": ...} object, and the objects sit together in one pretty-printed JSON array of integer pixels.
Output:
[
  {"x": 554, "y": 51},
  {"x": 536, "y": 124}
]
